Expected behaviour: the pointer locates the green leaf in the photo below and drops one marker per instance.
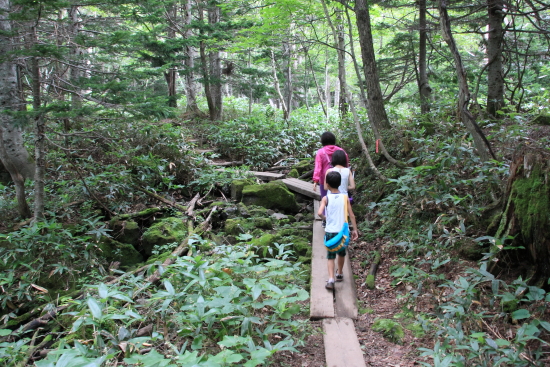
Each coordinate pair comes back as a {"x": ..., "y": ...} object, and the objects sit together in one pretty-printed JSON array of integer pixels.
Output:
[
  {"x": 169, "y": 287},
  {"x": 4, "y": 332},
  {"x": 545, "y": 325},
  {"x": 520, "y": 314},
  {"x": 103, "y": 291},
  {"x": 95, "y": 308}
]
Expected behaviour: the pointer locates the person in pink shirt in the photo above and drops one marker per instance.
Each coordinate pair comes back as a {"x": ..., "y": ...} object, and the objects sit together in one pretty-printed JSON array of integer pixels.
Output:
[{"x": 323, "y": 159}]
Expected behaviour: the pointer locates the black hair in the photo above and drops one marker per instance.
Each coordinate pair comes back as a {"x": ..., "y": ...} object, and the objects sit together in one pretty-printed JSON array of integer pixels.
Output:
[
  {"x": 328, "y": 138},
  {"x": 334, "y": 179},
  {"x": 339, "y": 158}
]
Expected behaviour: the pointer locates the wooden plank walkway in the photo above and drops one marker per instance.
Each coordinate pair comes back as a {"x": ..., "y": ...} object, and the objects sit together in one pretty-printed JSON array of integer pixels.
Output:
[
  {"x": 268, "y": 176},
  {"x": 303, "y": 187},
  {"x": 337, "y": 309},
  {"x": 342, "y": 348},
  {"x": 321, "y": 300}
]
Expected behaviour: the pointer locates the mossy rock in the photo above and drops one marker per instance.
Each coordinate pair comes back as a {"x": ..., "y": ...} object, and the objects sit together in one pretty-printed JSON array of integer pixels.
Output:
[
  {"x": 243, "y": 210},
  {"x": 125, "y": 253},
  {"x": 303, "y": 166},
  {"x": 237, "y": 226},
  {"x": 168, "y": 230},
  {"x": 126, "y": 231},
  {"x": 293, "y": 173},
  {"x": 263, "y": 243},
  {"x": 391, "y": 330},
  {"x": 263, "y": 223},
  {"x": 272, "y": 195},
  {"x": 510, "y": 306},
  {"x": 541, "y": 120},
  {"x": 369, "y": 281},
  {"x": 284, "y": 232},
  {"x": 471, "y": 250},
  {"x": 301, "y": 246},
  {"x": 256, "y": 211},
  {"x": 237, "y": 188}
]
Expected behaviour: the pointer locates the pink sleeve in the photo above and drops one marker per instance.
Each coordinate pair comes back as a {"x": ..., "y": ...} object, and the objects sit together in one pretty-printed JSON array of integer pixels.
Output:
[{"x": 318, "y": 167}]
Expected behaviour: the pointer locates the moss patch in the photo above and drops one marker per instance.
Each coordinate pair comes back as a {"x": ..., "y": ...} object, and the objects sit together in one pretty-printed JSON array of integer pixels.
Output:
[
  {"x": 237, "y": 188},
  {"x": 125, "y": 253},
  {"x": 165, "y": 231},
  {"x": 303, "y": 166},
  {"x": 272, "y": 195},
  {"x": 293, "y": 173}
]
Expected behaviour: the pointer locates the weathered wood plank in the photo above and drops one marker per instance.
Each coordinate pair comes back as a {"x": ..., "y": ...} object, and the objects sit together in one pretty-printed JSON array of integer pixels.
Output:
[
  {"x": 321, "y": 300},
  {"x": 268, "y": 176},
  {"x": 305, "y": 188},
  {"x": 316, "y": 204},
  {"x": 346, "y": 294},
  {"x": 342, "y": 348}
]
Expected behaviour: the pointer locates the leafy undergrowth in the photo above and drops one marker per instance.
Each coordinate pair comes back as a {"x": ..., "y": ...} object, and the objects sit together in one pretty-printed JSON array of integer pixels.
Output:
[
  {"x": 426, "y": 221},
  {"x": 226, "y": 307}
]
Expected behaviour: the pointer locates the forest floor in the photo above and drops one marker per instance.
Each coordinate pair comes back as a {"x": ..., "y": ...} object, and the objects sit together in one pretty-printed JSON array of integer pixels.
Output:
[{"x": 379, "y": 303}]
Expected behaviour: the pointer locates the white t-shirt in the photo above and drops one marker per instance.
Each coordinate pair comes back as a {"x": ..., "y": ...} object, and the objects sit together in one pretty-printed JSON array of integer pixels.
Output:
[
  {"x": 344, "y": 173},
  {"x": 335, "y": 212}
]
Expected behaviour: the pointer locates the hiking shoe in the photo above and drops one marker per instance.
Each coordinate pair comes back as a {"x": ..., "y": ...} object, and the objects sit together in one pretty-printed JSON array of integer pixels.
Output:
[
  {"x": 330, "y": 285},
  {"x": 339, "y": 277}
]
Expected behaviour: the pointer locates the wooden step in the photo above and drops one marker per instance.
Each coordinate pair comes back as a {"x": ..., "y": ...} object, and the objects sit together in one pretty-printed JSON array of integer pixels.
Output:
[
  {"x": 303, "y": 187},
  {"x": 342, "y": 348},
  {"x": 321, "y": 299}
]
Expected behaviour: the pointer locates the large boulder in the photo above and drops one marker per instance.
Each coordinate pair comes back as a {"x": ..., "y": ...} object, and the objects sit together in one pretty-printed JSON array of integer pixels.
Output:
[
  {"x": 237, "y": 188},
  {"x": 126, "y": 231},
  {"x": 272, "y": 195},
  {"x": 167, "y": 230},
  {"x": 124, "y": 253}
]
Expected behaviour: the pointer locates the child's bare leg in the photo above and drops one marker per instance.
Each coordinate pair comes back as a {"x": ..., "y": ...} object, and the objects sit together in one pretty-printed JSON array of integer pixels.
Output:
[
  {"x": 341, "y": 260},
  {"x": 330, "y": 268}
]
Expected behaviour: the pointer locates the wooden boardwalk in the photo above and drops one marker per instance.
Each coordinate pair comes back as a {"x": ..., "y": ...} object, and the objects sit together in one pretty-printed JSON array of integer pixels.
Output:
[
  {"x": 337, "y": 309},
  {"x": 303, "y": 187}
]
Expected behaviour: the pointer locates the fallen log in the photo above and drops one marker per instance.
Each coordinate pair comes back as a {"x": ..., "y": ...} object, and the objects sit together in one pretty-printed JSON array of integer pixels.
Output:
[
  {"x": 191, "y": 205},
  {"x": 308, "y": 174},
  {"x": 371, "y": 277},
  {"x": 161, "y": 199}
]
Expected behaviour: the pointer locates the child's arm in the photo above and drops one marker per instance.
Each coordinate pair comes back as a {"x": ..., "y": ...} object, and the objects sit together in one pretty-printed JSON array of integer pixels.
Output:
[
  {"x": 321, "y": 211},
  {"x": 354, "y": 233},
  {"x": 351, "y": 181}
]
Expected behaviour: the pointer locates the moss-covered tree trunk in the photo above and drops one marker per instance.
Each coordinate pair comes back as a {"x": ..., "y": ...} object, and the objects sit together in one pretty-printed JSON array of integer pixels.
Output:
[{"x": 526, "y": 213}]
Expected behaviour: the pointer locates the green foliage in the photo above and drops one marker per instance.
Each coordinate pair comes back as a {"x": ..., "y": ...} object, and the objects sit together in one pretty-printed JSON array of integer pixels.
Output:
[
  {"x": 231, "y": 309},
  {"x": 46, "y": 257},
  {"x": 391, "y": 329}
]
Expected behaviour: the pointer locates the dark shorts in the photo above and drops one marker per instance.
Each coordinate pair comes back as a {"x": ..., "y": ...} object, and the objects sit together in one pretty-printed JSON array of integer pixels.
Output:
[{"x": 332, "y": 255}]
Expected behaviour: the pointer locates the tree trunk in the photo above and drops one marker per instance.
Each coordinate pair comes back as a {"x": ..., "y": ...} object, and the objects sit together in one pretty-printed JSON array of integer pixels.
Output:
[
  {"x": 495, "y": 80},
  {"x": 480, "y": 141},
  {"x": 39, "y": 132},
  {"x": 277, "y": 86},
  {"x": 170, "y": 74},
  {"x": 13, "y": 154},
  {"x": 288, "y": 51},
  {"x": 189, "y": 62},
  {"x": 423, "y": 84},
  {"x": 525, "y": 216},
  {"x": 214, "y": 65},
  {"x": 375, "y": 103},
  {"x": 340, "y": 45},
  {"x": 75, "y": 71}
]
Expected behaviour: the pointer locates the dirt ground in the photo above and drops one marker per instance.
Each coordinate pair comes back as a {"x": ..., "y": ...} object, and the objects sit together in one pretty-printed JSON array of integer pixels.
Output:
[{"x": 381, "y": 302}]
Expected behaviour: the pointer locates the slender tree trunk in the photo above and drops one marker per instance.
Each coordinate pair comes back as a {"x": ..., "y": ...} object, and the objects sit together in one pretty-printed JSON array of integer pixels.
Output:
[
  {"x": 39, "y": 134},
  {"x": 340, "y": 45},
  {"x": 189, "y": 62},
  {"x": 495, "y": 79},
  {"x": 375, "y": 106},
  {"x": 288, "y": 73},
  {"x": 366, "y": 101},
  {"x": 214, "y": 64},
  {"x": 170, "y": 74},
  {"x": 480, "y": 141},
  {"x": 13, "y": 155},
  {"x": 75, "y": 51},
  {"x": 277, "y": 86},
  {"x": 423, "y": 84}
]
